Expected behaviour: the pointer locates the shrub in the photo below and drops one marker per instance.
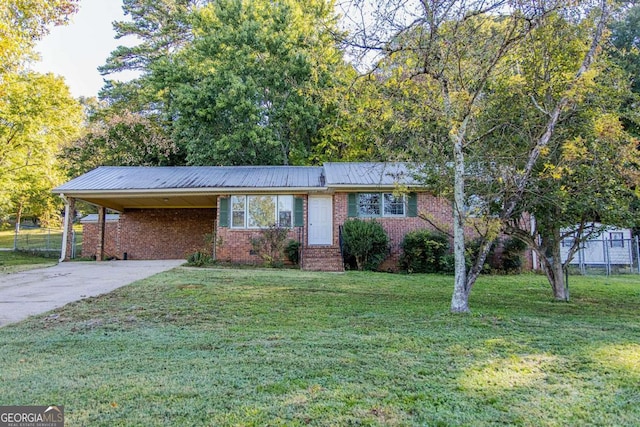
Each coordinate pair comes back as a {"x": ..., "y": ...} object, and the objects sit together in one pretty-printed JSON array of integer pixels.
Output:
[
  {"x": 202, "y": 257},
  {"x": 366, "y": 242},
  {"x": 292, "y": 250},
  {"x": 448, "y": 264},
  {"x": 199, "y": 259},
  {"x": 270, "y": 245},
  {"x": 510, "y": 261},
  {"x": 425, "y": 251}
]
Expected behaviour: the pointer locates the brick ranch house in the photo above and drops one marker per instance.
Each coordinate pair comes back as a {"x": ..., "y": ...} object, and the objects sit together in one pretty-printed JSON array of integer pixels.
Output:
[{"x": 168, "y": 212}]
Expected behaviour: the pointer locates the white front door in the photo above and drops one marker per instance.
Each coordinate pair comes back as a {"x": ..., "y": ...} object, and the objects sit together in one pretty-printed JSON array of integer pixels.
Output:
[{"x": 320, "y": 220}]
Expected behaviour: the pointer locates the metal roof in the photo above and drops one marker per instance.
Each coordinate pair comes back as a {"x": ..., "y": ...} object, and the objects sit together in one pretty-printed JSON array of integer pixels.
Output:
[
  {"x": 94, "y": 218},
  {"x": 117, "y": 178},
  {"x": 369, "y": 174},
  {"x": 109, "y": 179}
]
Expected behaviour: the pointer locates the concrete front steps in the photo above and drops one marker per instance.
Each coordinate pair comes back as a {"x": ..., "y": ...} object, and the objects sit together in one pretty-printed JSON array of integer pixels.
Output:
[{"x": 322, "y": 258}]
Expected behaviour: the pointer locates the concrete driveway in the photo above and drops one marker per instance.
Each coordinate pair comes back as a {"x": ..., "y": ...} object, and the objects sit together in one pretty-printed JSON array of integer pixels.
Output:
[{"x": 37, "y": 291}]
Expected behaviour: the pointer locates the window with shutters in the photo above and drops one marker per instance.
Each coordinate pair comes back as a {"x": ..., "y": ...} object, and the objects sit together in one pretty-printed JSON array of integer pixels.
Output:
[
  {"x": 259, "y": 211},
  {"x": 369, "y": 205}
]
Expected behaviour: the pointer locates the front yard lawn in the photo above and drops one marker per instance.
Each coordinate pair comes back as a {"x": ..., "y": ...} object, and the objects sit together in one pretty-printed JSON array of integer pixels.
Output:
[
  {"x": 195, "y": 347},
  {"x": 11, "y": 261}
]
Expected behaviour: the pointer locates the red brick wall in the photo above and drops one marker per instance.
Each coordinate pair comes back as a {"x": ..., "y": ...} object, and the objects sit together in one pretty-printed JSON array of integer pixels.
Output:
[
  {"x": 164, "y": 233},
  {"x": 234, "y": 244},
  {"x": 437, "y": 209},
  {"x": 90, "y": 240},
  {"x": 176, "y": 233}
]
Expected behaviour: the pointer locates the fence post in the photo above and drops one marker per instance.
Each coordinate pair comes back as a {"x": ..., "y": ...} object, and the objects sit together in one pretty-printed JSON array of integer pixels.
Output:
[
  {"x": 607, "y": 255},
  {"x": 637, "y": 253}
]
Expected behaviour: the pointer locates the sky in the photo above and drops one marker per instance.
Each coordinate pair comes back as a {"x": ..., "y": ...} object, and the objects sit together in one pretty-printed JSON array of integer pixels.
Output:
[{"x": 76, "y": 50}]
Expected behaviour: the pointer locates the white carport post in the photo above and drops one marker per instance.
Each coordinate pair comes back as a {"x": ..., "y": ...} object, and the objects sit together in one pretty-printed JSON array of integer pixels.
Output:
[{"x": 67, "y": 232}]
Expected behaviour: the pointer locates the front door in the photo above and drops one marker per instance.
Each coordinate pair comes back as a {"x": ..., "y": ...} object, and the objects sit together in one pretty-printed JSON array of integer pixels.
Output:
[{"x": 320, "y": 220}]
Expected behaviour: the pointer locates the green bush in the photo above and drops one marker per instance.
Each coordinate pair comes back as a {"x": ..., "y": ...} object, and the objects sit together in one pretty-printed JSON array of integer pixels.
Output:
[
  {"x": 199, "y": 259},
  {"x": 448, "y": 264},
  {"x": 510, "y": 261},
  {"x": 366, "y": 242},
  {"x": 292, "y": 250},
  {"x": 270, "y": 245},
  {"x": 425, "y": 251}
]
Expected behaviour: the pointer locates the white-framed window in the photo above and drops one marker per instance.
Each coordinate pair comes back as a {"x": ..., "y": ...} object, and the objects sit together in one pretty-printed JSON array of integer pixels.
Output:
[
  {"x": 285, "y": 211},
  {"x": 368, "y": 204},
  {"x": 393, "y": 205},
  {"x": 261, "y": 211},
  {"x": 381, "y": 204},
  {"x": 238, "y": 209}
]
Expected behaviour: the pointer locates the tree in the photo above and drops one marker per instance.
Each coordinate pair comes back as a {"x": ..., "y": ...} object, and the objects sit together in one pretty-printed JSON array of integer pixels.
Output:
[
  {"x": 23, "y": 23},
  {"x": 586, "y": 169},
  {"x": 119, "y": 138},
  {"x": 38, "y": 116},
  {"x": 585, "y": 174},
  {"x": 232, "y": 82},
  {"x": 248, "y": 89},
  {"x": 162, "y": 28},
  {"x": 459, "y": 47},
  {"x": 624, "y": 50}
]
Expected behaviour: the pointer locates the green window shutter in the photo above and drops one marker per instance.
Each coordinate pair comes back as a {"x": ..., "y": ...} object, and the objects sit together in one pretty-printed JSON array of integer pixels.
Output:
[
  {"x": 412, "y": 205},
  {"x": 298, "y": 212},
  {"x": 223, "y": 211},
  {"x": 352, "y": 205}
]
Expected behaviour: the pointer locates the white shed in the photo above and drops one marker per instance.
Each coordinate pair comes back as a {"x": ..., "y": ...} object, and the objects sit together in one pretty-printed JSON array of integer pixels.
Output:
[{"x": 611, "y": 246}]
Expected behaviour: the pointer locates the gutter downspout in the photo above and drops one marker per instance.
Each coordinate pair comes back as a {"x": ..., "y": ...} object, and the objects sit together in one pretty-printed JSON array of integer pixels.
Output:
[{"x": 63, "y": 251}]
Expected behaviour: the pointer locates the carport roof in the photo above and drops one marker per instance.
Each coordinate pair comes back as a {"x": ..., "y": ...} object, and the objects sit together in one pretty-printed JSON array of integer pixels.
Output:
[{"x": 118, "y": 178}]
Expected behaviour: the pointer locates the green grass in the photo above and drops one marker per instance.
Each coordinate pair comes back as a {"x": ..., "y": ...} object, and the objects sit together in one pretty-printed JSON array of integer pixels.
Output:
[
  {"x": 11, "y": 262},
  {"x": 284, "y": 347},
  {"x": 37, "y": 239}
]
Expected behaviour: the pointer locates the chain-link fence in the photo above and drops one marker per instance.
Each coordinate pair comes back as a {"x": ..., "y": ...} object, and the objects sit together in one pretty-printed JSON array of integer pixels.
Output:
[
  {"x": 606, "y": 256},
  {"x": 44, "y": 241}
]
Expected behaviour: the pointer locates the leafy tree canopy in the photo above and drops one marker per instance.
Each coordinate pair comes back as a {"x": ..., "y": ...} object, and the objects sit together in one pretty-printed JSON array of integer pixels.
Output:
[
  {"x": 23, "y": 22},
  {"x": 38, "y": 116}
]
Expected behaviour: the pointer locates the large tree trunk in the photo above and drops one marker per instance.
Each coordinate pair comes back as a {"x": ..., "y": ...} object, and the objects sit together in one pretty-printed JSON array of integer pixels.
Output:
[
  {"x": 460, "y": 298},
  {"x": 553, "y": 268}
]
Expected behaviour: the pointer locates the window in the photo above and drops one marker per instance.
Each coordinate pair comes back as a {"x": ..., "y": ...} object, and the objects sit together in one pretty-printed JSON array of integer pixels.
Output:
[
  {"x": 261, "y": 211},
  {"x": 368, "y": 204},
  {"x": 393, "y": 205},
  {"x": 285, "y": 211},
  {"x": 381, "y": 204},
  {"x": 617, "y": 239},
  {"x": 237, "y": 211}
]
